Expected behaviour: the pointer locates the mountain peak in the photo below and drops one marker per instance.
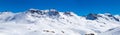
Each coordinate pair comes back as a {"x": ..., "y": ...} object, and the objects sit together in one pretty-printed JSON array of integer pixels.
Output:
[
  {"x": 53, "y": 10},
  {"x": 42, "y": 22},
  {"x": 68, "y": 13},
  {"x": 91, "y": 16},
  {"x": 49, "y": 12},
  {"x": 33, "y": 9}
]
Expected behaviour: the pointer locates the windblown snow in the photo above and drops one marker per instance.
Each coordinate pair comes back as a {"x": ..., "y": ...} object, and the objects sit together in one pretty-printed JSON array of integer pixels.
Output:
[{"x": 53, "y": 22}]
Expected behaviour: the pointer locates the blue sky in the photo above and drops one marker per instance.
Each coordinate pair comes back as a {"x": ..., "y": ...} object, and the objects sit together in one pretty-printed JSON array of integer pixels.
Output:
[{"x": 80, "y": 7}]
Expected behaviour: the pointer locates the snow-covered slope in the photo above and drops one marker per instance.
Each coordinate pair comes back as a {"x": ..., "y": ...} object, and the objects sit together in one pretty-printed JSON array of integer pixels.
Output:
[{"x": 53, "y": 22}]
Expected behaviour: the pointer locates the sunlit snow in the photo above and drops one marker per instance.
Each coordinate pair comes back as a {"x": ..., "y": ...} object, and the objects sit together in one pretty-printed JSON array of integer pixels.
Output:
[{"x": 53, "y": 22}]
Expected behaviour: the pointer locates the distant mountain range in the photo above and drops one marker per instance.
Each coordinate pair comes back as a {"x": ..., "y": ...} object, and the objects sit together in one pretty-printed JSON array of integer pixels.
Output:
[{"x": 53, "y": 22}]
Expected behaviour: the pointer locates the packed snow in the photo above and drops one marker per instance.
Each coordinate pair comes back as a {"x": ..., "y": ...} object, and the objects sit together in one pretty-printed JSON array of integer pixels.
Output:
[{"x": 53, "y": 22}]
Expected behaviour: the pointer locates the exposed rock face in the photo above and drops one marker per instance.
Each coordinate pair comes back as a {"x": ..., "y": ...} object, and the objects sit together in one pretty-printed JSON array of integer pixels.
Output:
[
  {"x": 91, "y": 16},
  {"x": 68, "y": 13}
]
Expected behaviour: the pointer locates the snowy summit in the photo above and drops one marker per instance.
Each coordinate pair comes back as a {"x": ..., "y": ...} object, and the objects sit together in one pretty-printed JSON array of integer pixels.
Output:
[{"x": 53, "y": 22}]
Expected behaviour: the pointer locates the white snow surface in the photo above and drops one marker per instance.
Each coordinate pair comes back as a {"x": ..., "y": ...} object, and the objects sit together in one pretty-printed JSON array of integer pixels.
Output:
[{"x": 27, "y": 23}]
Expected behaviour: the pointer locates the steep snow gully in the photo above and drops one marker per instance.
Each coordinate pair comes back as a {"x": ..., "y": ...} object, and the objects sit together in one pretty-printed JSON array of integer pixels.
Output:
[{"x": 53, "y": 22}]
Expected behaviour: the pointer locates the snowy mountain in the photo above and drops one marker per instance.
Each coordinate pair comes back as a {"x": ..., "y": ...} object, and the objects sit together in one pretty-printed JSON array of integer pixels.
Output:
[{"x": 53, "y": 22}]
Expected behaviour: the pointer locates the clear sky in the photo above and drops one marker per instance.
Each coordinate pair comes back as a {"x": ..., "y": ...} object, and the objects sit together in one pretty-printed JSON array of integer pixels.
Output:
[{"x": 80, "y": 7}]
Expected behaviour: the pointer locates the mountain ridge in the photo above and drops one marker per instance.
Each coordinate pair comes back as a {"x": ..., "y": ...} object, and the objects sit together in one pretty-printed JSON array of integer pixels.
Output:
[{"x": 53, "y": 22}]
